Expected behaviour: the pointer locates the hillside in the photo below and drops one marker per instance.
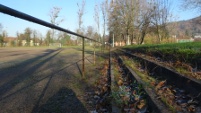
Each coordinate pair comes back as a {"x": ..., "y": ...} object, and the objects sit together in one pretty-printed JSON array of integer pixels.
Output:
[{"x": 186, "y": 28}]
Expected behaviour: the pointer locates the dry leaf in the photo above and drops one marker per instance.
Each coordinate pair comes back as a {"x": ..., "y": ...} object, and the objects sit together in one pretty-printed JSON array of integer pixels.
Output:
[
  {"x": 120, "y": 83},
  {"x": 160, "y": 84}
]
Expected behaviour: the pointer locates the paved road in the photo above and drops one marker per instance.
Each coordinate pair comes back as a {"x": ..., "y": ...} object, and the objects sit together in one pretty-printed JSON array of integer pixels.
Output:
[{"x": 41, "y": 80}]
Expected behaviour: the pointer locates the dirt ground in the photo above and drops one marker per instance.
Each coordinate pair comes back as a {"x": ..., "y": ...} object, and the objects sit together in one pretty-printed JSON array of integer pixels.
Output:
[{"x": 45, "y": 80}]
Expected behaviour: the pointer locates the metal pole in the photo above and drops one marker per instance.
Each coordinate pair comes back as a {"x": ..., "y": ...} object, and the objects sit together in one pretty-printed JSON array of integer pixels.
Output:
[
  {"x": 18, "y": 14},
  {"x": 83, "y": 68},
  {"x": 113, "y": 40},
  {"x": 94, "y": 54}
]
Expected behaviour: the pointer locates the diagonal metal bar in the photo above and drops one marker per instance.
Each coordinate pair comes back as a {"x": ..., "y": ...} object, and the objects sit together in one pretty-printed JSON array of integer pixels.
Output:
[{"x": 18, "y": 14}]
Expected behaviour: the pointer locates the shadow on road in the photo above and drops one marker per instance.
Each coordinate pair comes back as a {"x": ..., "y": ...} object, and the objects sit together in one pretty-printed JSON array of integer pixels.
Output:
[
  {"x": 25, "y": 73},
  {"x": 64, "y": 101}
]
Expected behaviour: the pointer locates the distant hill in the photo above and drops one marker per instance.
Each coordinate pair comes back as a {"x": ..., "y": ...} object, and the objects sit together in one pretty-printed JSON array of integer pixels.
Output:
[{"x": 186, "y": 28}]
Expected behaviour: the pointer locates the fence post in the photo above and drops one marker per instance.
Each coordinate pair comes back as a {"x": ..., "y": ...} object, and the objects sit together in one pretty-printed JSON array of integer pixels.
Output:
[
  {"x": 83, "y": 68},
  {"x": 94, "y": 53}
]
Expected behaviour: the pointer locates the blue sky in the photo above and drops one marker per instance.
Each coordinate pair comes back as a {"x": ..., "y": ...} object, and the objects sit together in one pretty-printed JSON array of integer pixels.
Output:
[{"x": 41, "y": 8}]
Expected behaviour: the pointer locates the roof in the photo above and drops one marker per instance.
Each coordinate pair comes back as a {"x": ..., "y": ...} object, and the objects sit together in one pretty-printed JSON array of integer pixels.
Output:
[
  {"x": 196, "y": 34},
  {"x": 8, "y": 39}
]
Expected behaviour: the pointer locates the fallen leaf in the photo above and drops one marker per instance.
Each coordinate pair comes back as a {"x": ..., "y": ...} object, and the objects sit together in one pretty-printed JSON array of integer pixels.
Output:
[
  {"x": 160, "y": 84},
  {"x": 120, "y": 83}
]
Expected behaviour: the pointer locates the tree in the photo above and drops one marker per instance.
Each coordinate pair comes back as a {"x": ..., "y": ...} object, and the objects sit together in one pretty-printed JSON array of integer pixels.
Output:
[
  {"x": 191, "y": 4},
  {"x": 104, "y": 10},
  {"x": 55, "y": 19},
  {"x": 64, "y": 38},
  {"x": 27, "y": 34},
  {"x": 142, "y": 22},
  {"x": 1, "y": 37},
  {"x": 114, "y": 23},
  {"x": 97, "y": 20},
  {"x": 126, "y": 18},
  {"x": 4, "y": 34},
  {"x": 131, "y": 20},
  {"x": 19, "y": 40},
  {"x": 160, "y": 18},
  {"x": 37, "y": 36},
  {"x": 80, "y": 13},
  {"x": 48, "y": 38},
  {"x": 1, "y": 27},
  {"x": 34, "y": 37},
  {"x": 90, "y": 33},
  {"x": 1, "y": 40},
  {"x": 96, "y": 36}
]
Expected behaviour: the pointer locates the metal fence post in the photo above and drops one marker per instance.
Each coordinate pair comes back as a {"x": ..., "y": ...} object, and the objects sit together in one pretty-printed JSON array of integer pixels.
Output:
[
  {"x": 83, "y": 68},
  {"x": 94, "y": 53}
]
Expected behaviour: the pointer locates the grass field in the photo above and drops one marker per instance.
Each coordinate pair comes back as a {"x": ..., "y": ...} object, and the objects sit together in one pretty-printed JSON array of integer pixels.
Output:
[{"x": 185, "y": 52}]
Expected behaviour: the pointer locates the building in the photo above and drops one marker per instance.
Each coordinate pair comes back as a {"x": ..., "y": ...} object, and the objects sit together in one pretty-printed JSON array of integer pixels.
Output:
[
  {"x": 197, "y": 35},
  {"x": 13, "y": 41},
  {"x": 10, "y": 41},
  {"x": 181, "y": 40}
]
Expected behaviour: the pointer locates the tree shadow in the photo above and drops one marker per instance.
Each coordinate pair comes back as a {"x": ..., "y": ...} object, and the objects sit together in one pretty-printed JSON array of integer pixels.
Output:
[
  {"x": 26, "y": 72},
  {"x": 45, "y": 77},
  {"x": 64, "y": 101}
]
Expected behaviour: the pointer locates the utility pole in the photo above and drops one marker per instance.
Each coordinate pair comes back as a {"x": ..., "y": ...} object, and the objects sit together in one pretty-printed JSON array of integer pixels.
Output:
[{"x": 113, "y": 40}]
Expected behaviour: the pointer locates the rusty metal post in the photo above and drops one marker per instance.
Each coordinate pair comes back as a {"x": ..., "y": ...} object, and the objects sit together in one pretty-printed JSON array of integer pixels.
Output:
[
  {"x": 83, "y": 64},
  {"x": 94, "y": 54}
]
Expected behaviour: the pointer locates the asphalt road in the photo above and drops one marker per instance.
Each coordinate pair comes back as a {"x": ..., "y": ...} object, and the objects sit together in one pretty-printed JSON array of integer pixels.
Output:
[{"x": 34, "y": 80}]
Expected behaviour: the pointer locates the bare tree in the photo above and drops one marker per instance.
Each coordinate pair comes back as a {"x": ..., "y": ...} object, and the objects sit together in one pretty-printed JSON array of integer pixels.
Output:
[
  {"x": 80, "y": 13},
  {"x": 27, "y": 34},
  {"x": 19, "y": 40},
  {"x": 104, "y": 10},
  {"x": 97, "y": 19},
  {"x": 1, "y": 27},
  {"x": 142, "y": 21},
  {"x": 191, "y": 4},
  {"x": 5, "y": 33},
  {"x": 1, "y": 37},
  {"x": 90, "y": 33},
  {"x": 132, "y": 19},
  {"x": 48, "y": 38},
  {"x": 160, "y": 18},
  {"x": 55, "y": 18},
  {"x": 113, "y": 20},
  {"x": 122, "y": 18},
  {"x": 34, "y": 32}
]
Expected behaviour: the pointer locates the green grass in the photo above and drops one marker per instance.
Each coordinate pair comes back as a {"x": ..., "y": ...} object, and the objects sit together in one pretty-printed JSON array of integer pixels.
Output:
[
  {"x": 143, "y": 75},
  {"x": 186, "y": 52},
  {"x": 190, "y": 47},
  {"x": 172, "y": 108},
  {"x": 187, "y": 45}
]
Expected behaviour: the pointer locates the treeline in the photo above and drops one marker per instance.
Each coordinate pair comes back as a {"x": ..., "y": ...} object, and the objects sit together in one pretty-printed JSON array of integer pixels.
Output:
[
  {"x": 144, "y": 21},
  {"x": 128, "y": 21},
  {"x": 30, "y": 35},
  {"x": 133, "y": 20}
]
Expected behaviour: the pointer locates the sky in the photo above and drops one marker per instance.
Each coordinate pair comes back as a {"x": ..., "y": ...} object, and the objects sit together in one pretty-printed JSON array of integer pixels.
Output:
[{"x": 41, "y": 8}]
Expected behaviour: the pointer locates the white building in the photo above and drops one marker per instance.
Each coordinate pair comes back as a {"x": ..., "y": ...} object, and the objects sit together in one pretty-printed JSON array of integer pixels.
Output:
[{"x": 197, "y": 35}]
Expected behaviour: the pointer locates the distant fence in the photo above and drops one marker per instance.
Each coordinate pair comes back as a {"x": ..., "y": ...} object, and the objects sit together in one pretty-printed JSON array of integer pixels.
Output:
[{"x": 18, "y": 14}]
